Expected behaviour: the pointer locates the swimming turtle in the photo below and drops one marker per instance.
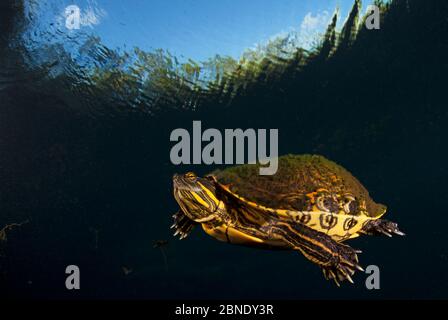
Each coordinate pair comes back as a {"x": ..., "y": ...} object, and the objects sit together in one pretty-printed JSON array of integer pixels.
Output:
[{"x": 310, "y": 205}]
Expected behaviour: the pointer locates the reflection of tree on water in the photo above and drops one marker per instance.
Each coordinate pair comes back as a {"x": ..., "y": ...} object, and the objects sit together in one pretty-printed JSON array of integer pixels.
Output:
[
  {"x": 153, "y": 81},
  {"x": 107, "y": 81}
]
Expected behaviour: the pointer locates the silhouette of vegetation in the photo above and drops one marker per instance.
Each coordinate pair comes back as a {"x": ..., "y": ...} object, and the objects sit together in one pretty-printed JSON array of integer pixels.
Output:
[{"x": 154, "y": 81}]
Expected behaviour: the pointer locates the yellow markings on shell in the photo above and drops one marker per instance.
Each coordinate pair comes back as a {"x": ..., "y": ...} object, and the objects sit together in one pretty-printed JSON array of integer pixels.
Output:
[
  {"x": 337, "y": 232},
  {"x": 338, "y": 229},
  {"x": 311, "y": 196}
]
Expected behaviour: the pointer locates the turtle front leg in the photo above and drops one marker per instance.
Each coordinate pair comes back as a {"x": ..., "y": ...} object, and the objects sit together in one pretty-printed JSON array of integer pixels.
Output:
[
  {"x": 338, "y": 261},
  {"x": 182, "y": 225},
  {"x": 381, "y": 226}
]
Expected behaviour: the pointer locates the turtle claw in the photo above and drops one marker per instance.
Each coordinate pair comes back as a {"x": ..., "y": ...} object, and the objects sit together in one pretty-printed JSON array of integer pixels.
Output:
[
  {"x": 183, "y": 236},
  {"x": 359, "y": 268},
  {"x": 344, "y": 265},
  {"x": 336, "y": 281},
  {"x": 330, "y": 275},
  {"x": 386, "y": 233},
  {"x": 349, "y": 279},
  {"x": 340, "y": 275},
  {"x": 182, "y": 225}
]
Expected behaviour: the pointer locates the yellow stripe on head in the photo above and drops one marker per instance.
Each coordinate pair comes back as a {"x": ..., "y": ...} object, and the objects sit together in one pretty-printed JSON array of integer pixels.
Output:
[
  {"x": 210, "y": 194},
  {"x": 200, "y": 200}
]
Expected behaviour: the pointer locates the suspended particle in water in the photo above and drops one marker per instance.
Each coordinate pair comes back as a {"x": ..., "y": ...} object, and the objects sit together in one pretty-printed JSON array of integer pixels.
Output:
[
  {"x": 161, "y": 244},
  {"x": 9, "y": 227}
]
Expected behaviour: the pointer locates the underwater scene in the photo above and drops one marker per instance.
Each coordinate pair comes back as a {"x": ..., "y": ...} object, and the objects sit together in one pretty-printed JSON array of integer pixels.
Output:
[{"x": 199, "y": 149}]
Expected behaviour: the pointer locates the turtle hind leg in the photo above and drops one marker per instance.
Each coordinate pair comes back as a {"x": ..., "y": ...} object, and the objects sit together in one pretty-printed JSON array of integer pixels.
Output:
[
  {"x": 343, "y": 266},
  {"x": 338, "y": 261},
  {"x": 381, "y": 226},
  {"x": 182, "y": 225}
]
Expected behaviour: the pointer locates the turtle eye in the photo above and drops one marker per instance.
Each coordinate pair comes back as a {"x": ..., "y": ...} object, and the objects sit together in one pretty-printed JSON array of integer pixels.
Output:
[{"x": 190, "y": 176}]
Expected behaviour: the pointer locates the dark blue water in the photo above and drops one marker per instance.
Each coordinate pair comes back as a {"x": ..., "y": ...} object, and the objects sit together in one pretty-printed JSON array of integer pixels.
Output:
[{"x": 84, "y": 160}]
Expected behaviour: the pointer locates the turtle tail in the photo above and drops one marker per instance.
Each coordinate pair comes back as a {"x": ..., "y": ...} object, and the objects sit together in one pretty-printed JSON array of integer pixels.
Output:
[{"x": 381, "y": 226}]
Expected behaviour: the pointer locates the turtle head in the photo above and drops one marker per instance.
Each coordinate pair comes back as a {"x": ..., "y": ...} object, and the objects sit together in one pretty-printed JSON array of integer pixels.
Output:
[{"x": 196, "y": 196}]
